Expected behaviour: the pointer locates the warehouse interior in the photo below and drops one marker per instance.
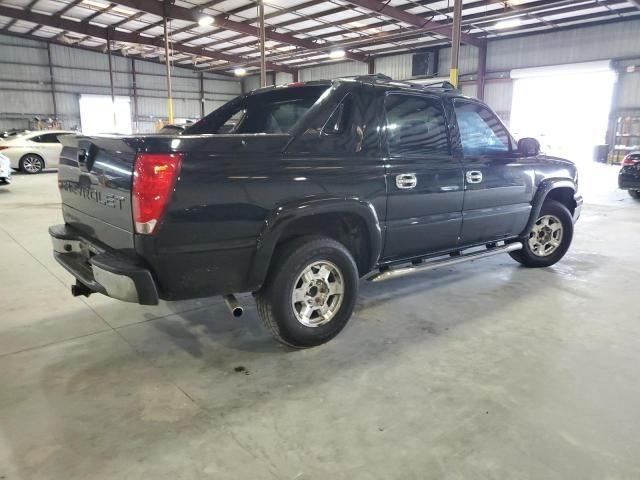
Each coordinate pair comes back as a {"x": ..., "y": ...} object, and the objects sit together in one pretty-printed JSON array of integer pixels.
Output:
[{"x": 480, "y": 370}]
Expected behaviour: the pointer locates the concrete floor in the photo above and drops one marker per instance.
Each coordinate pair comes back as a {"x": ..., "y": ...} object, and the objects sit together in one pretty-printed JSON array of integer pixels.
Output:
[{"x": 482, "y": 371}]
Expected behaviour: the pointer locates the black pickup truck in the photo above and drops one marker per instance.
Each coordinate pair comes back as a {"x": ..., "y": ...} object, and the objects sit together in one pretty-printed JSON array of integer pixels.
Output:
[{"x": 295, "y": 192}]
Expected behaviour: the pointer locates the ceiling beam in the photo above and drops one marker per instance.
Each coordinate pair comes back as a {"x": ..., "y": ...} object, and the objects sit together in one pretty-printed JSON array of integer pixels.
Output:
[
  {"x": 191, "y": 15},
  {"x": 412, "y": 19},
  {"x": 119, "y": 36},
  {"x": 635, "y": 3}
]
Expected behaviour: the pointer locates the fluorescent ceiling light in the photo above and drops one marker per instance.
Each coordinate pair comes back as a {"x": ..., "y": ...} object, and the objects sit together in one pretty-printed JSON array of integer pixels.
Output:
[
  {"x": 508, "y": 23},
  {"x": 205, "y": 20},
  {"x": 123, "y": 11},
  {"x": 95, "y": 4},
  {"x": 337, "y": 53},
  {"x": 240, "y": 72}
]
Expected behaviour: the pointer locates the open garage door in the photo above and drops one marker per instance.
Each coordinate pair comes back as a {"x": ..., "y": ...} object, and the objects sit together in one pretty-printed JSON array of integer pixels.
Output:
[
  {"x": 99, "y": 114},
  {"x": 565, "y": 107}
]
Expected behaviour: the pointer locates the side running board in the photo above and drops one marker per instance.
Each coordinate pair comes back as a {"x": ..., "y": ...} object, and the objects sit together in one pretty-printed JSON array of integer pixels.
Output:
[{"x": 445, "y": 262}]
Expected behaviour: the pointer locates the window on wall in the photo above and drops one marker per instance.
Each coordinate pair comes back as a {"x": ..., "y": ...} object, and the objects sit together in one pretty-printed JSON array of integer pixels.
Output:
[
  {"x": 415, "y": 125},
  {"x": 481, "y": 132}
]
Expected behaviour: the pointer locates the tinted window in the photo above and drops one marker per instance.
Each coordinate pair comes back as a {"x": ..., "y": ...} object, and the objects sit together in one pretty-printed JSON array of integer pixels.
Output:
[
  {"x": 339, "y": 119},
  {"x": 481, "y": 132},
  {"x": 271, "y": 111},
  {"x": 415, "y": 124},
  {"x": 46, "y": 138}
]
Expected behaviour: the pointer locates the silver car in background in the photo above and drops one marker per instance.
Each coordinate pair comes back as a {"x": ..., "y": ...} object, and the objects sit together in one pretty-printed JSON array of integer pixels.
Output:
[{"x": 32, "y": 152}]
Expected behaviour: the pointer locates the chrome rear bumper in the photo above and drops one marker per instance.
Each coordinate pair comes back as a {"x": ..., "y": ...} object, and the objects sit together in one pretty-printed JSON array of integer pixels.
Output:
[{"x": 102, "y": 270}]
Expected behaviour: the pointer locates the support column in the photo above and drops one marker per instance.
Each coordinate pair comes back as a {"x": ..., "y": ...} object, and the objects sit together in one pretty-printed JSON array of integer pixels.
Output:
[
  {"x": 113, "y": 96},
  {"x": 166, "y": 58},
  {"x": 263, "y": 60},
  {"x": 52, "y": 83},
  {"x": 371, "y": 66},
  {"x": 135, "y": 94},
  {"x": 201, "y": 94},
  {"x": 455, "y": 43},
  {"x": 482, "y": 70}
]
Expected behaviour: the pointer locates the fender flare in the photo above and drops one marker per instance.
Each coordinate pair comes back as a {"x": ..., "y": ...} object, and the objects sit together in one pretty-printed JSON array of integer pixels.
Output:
[
  {"x": 544, "y": 188},
  {"x": 286, "y": 213}
]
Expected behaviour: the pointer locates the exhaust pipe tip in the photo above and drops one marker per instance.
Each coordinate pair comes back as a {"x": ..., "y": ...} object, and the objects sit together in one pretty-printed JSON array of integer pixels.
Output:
[{"x": 233, "y": 305}]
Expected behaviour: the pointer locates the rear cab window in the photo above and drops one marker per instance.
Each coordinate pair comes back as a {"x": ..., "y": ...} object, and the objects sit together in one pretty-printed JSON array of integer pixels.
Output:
[
  {"x": 415, "y": 124},
  {"x": 274, "y": 111}
]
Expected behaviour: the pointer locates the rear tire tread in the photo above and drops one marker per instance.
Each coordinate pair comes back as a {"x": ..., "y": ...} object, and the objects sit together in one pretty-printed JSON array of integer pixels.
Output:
[{"x": 276, "y": 276}]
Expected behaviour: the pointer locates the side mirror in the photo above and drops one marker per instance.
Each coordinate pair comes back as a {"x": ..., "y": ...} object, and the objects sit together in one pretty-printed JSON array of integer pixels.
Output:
[{"x": 529, "y": 146}]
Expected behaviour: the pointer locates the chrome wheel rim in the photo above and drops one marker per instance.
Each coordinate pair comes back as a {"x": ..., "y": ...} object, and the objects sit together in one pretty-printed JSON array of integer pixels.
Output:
[
  {"x": 317, "y": 294},
  {"x": 32, "y": 164},
  {"x": 546, "y": 235}
]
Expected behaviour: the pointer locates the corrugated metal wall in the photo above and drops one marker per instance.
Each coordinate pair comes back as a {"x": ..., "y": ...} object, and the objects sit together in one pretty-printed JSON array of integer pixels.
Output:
[
  {"x": 397, "y": 67},
  {"x": 467, "y": 60},
  {"x": 333, "y": 70},
  {"x": 610, "y": 41},
  {"x": 25, "y": 87},
  {"x": 598, "y": 42}
]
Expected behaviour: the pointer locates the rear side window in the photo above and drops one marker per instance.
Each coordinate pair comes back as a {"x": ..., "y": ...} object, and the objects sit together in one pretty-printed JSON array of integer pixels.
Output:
[
  {"x": 46, "y": 138},
  {"x": 339, "y": 120},
  {"x": 275, "y": 117},
  {"x": 481, "y": 132},
  {"x": 415, "y": 125},
  {"x": 272, "y": 112}
]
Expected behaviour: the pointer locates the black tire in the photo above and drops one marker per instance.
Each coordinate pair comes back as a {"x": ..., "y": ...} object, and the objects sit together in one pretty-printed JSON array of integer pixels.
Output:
[
  {"x": 31, "y": 164},
  {"x": 528, "y": 258},
  {"x": 635, "y": 194},
  {"x": 274, "y": 299}
]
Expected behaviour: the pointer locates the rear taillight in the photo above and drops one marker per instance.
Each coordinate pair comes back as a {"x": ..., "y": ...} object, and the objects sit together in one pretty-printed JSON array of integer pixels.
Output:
[
  {"x": 631, "y": 160},
  {"x": 154, "y": 178}
]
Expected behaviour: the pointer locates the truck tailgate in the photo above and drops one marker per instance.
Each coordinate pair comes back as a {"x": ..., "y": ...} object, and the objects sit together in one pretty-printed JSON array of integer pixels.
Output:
[{"x": 94, "y": 179}]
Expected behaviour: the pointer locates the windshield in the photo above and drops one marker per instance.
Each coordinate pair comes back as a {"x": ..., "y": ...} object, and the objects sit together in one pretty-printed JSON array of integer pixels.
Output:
[{"x": 272, "y": 111}]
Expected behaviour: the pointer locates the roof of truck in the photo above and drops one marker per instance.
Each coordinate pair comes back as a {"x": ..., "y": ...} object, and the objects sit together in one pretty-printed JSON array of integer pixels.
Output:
[{"x": 377, "y": 79}]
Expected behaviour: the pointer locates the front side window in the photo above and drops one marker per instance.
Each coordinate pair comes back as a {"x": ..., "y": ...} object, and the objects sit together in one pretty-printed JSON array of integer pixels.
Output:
[
  {"x": 481, "y": 132},
  {"x": 415, "y": 125}
]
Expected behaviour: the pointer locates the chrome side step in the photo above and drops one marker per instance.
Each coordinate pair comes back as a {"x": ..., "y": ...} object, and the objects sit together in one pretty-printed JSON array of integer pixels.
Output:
[{"x": 446, "y": 262}]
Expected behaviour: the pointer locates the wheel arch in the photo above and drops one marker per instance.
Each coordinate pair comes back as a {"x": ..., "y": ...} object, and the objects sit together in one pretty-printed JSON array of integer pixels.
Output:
[
  {"x": 349, "y": 220},
  {"x": 561, "y": 189}
]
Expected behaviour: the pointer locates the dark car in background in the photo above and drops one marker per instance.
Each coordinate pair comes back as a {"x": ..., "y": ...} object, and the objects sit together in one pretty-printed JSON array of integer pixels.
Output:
[{"x": 629, "y": 176}]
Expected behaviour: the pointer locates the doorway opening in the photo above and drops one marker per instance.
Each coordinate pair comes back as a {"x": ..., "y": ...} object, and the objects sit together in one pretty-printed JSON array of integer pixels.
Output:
[
  {"x": 565, "y": 107},
  {"x": 99, "y": 114}
]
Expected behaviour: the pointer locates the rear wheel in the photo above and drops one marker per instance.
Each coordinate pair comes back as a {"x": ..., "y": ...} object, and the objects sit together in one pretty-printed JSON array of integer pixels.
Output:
[
  {"x": 310, "y": 292},
  {"x": 31, "y": 163},
  {"x": 549, "y": 238},
  {"x": 635, "y": 194}
]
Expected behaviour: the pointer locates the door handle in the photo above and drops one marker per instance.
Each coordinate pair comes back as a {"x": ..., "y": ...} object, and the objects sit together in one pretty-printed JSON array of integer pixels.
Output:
[
  {"x": 405, "y": 181},
  {"x": 473, "y": 176}
]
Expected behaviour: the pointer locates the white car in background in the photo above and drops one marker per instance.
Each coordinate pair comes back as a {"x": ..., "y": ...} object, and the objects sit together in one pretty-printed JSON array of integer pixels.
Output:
[
  {"x": 34, "y": 151},
  {"x": 5, "y": 170}
]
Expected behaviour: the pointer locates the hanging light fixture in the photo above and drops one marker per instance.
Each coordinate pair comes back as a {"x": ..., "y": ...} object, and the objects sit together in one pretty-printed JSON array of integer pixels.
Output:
[{"x": 205, "y": 20}]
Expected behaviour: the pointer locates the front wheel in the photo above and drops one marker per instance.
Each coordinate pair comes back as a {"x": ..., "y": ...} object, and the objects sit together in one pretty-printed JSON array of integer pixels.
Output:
[
  {"x": 635, "y": 194},
  {"x": 310, "y": 292},
  {"x": 549, "y": 238}
]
